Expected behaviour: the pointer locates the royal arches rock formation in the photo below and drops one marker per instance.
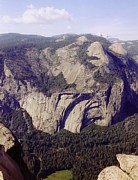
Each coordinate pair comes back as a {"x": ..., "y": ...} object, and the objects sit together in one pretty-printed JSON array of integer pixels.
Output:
[{"x": 67, "y": 82}]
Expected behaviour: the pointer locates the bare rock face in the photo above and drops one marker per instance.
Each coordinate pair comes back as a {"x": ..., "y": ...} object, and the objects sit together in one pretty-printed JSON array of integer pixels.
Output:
[
  {"x": 63, "y": 110},
  {"x": 96, "y": 50},
  {"x": 70, "y": 110},
  {"x": 113, "y": 173},
  {"x": 115, "y": 101},
  {"x": 7, "y": 71},
  {"x": 118, "y": 48},
  {"x": 129, "y": 164},
  {"x": 72, "y": 69},
  {"x": 128, "y": 169},
  {"x": 82, "y": 39},
  {"x": 6, "y": 137},
  {"x": 42, "y": 110}
]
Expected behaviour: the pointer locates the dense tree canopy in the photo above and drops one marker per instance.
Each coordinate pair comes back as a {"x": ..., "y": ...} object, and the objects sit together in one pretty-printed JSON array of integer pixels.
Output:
[{"x": 86, "y": 154}]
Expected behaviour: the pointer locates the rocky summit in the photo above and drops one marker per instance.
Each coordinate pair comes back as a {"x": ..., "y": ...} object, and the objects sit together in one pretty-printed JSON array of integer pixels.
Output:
[{"x": 67, "y": 82}]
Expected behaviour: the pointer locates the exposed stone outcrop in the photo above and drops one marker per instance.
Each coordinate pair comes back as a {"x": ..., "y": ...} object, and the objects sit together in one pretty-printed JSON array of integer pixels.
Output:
[
  {"x": 82, "y": 39},
  {"x": 96, "y": 50},
  {"x": 7, "y": 71},
  {"x": 70, "y": 110},
  {"x": 128, "y": 169},
  {"x": 64, "y": 110},
  {"x": 115, "y": 104},
  {"x": 72, "y": 69},
  {"x": 42, "y": 110},
  {"x": 118, "y": 48},
  {"x": 6, "y": 137},
  {"x": 129, "y": 164},
  {"x": 77, "y": 114},
  {"x": 113, "y": 173}
]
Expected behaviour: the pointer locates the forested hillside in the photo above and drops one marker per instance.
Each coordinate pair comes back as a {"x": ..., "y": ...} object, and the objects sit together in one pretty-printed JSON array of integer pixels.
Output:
[{"x": 85, "y": 153}]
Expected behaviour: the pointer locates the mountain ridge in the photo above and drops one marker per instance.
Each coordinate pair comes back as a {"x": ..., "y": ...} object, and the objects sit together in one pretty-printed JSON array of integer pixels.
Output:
[
  {"x": 85, "y": 66},
  {"x": 63, "y": 99}
]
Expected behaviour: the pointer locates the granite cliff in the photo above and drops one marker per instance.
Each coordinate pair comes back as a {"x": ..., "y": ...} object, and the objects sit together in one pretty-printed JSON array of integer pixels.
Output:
[{"x": 67, "y": 83}]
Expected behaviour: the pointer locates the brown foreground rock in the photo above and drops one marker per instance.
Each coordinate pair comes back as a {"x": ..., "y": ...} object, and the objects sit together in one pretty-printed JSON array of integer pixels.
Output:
[{"x": 9, "y": 170}]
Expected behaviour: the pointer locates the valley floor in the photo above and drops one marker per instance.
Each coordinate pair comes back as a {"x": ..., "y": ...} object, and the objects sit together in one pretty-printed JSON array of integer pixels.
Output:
[{"x": 60, "y": 175}]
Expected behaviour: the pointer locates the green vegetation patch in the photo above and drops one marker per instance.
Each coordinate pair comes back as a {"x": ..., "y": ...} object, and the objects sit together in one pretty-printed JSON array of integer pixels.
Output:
[{"x": 60, "y": 175}]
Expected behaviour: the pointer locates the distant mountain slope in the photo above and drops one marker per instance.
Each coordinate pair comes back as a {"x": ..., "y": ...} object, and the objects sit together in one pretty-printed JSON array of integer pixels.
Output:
[
  {"x": 54, "y": 92},
  {"x": 130, "y": 46},
  {"x": 67, "y": 82}
]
